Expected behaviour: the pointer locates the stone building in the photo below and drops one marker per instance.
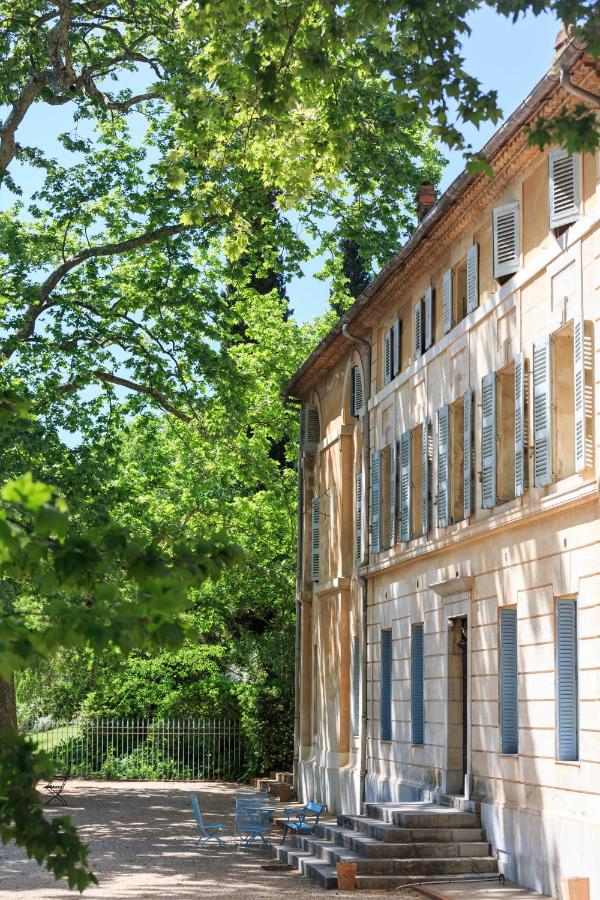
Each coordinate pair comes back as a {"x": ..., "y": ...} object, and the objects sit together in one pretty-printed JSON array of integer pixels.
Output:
[{"x": 449, "y": 571}]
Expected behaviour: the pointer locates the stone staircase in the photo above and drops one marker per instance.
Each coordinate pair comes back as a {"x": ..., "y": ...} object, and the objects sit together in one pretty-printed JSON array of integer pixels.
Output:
[
  {"x": 395, "y": 844},
  {"x": 278, "y": 784}
]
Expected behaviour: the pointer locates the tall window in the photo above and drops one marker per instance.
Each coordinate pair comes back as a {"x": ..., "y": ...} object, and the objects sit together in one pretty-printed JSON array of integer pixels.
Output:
[
  {"x": 567, "y": 687},
  {"x": 417, "y": 685},
  {"x": 509, "y": 699},
  {"x": 386, "y": 685}
]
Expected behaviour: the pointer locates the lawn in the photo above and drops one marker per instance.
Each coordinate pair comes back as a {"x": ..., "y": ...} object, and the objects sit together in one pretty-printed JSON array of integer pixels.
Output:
[{"x": 47, "y": 740}]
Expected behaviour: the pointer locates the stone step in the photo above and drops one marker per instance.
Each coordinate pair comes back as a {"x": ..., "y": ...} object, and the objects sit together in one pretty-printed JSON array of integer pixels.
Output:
[
  {"x": 309, "y": 865},
  {"x": 384, "y": 831},
  {"x": 392, "y": 882},
  {"x": 285, "y": 777},
  {"x": 280, "y": 789},
  {"x": 422, "y": 815},
  {"x": 372, "y": 848}
]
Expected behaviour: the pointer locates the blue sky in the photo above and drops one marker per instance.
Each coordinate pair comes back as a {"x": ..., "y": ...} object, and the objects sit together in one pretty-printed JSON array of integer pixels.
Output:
[{"x": 508, "y": 57}]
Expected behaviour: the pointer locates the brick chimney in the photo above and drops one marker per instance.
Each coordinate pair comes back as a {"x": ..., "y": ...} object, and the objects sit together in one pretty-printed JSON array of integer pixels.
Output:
[{"x": 425, "y": 198}]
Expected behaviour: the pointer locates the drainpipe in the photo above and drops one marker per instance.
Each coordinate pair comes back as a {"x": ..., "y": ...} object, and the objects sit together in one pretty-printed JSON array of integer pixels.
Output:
[
  {"x": 567, "y": 84},
  {"x": 365, "y": 556},
  {"x": 298, "y": 638}
]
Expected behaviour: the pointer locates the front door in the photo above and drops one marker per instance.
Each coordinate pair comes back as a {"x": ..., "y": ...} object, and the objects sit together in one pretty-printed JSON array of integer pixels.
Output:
[{"x": 457, "y": 706}]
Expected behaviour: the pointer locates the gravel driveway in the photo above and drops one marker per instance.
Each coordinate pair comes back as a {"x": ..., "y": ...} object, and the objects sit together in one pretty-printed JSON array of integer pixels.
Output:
[{"x": 142, "y": 839}]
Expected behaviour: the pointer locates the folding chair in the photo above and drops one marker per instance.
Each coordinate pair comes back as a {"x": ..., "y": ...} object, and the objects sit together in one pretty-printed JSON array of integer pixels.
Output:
[
  {"x": 212, "y": 831},
  {"x": 55, "y": 788}
]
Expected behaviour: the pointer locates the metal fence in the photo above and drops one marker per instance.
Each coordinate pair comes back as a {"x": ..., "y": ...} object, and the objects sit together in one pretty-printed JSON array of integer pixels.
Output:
[{"x": 144, "y": 749}]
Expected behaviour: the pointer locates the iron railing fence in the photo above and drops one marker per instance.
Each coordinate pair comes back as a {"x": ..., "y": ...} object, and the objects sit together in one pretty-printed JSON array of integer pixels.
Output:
[{"x": 184, "y": 749}]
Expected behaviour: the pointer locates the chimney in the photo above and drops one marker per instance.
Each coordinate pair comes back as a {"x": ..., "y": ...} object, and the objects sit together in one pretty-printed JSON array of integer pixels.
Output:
[{"x": 425, "y": 198}]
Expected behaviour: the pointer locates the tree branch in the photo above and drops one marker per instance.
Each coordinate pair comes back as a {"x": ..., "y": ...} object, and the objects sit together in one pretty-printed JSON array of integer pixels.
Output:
[{"x": 151, "y": 392}]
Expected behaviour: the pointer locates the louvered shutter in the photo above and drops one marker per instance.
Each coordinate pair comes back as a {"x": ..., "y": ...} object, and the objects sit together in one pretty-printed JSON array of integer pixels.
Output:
[
  {"x": 521, "y": 427},
  {"x": 447, "y": 282},
  {"x": 310, "y": 428},
  {"x": 397, "y": 347},
  {"x": 580, "y": 394},
  {"x": 426, "y": 475},
  {"x": 506, "y": 240},
  {"x": 509, "y": 700},
  {"x": 428, "y": 315},
  {"x": 443, "y": 464},
  {"x": 356, "y": 686},
  {"x": 488, "y": 441},
  {"x": 358, "y": 519},
  {"x": 542, "y": 412},
  {"x": 563, "y": 190},
  {"x": 417, "y": 683},
  {"x": 405, "y": 485},
  {"x": 473, "y": 277},
  {"x": 386, "y": 685},
  {"x": 376, "y": 501},
  {"x": 393, "y": 491},
  {"x": 356, "y": 391},
  {"x": 316, "y": 537},
  {"x": 387, "y": 357},
  {"x": 566, "y": 678},
  {"x": 443, "y": 456},
  {"x": 418, "y": 348},
  {"x": 468, "y": 453}
]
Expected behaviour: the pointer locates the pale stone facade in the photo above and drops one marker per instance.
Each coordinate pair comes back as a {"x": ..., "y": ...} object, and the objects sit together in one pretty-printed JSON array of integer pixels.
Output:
[{"x": 533, "y": 547}]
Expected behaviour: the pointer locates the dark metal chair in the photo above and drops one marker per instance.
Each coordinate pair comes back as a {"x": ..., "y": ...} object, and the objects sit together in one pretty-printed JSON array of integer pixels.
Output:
[{"x": 55, "y": 788}]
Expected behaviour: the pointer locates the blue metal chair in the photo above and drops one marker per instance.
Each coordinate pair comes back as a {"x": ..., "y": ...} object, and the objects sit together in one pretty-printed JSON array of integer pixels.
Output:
[
  {"x": 296, "y": 818},
  {"x": 252, "y": 822},
  {"x": 212, "y": 831}
]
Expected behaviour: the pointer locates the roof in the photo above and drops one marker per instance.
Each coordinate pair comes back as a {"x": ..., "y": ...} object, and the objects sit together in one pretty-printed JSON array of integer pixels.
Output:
[{"x": 323, "y": 354}]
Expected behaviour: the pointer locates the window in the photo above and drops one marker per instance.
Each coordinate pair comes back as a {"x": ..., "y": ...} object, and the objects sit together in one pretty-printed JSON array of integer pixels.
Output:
[
  {"x": 358, "y": 519},
  {"x": 506, "y": 241},
  {"x": 419, "y": 331},
  {"x": 386, "y": 685},
  {"x": 416, "y": 486},
  {"x": 316, "y": 529},
  {"x": 310, "y": 427},
  {"x": 392, "y": 351},
  {"x": 468, "y": 454},
  {"x": 405, "y": 486},
  {"x": 355, "y": 685},
  {"x": 443, "y": 463},
  {"x": 386, "y": 494},
  {"x": 505, "y": 412},
  {"x": 562, "y": 403},
  {"x": 488, "y": 441},
  {"x": 417, "y": 680},
  {"x": 567, "y": 695},
  {"x": 427, "y": 448},
  {"x": 428, "y": 319},
  {"x": 509, "y": 700},
  {"x": 457, "y": 457},
  {"x": 356, "y": 392},
  {"x": 563, "y": 189},
  {"x": 521, "y": 425},
  {"x": 473, "y": 277},
  {"x": 447, "y": 298},
  {"x": 376, "y": 501}
]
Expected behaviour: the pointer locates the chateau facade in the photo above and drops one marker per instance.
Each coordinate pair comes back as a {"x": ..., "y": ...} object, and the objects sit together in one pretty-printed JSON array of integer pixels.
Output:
[{"x": 449, "y": 568}]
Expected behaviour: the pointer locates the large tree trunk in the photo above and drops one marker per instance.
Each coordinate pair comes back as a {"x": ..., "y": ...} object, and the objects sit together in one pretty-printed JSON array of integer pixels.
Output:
[{"x": 8, "y": 704}]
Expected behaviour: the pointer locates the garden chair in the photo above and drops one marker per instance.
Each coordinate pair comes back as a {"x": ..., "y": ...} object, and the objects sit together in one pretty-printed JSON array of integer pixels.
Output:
[
  {"x": 55, "y": 788},
  {"x": 248, "y": 799},
  {"x": 253, "y": 822},
  {"x": 296, "y": 818},
  {"x": 212, "y": 831}
]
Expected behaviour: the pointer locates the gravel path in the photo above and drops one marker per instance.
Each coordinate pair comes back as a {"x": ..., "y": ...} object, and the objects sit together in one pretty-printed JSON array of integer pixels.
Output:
[{"x": 142, "y": 839}]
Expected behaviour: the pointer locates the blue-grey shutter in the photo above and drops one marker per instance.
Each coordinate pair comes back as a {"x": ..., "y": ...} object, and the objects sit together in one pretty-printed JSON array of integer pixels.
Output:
[
  {"x": 356, "y": 685},
  {"x": 488, "y": 440},
  {"x": 521, "y": 426},
  {"x": 468, "y": 453},
  {"x": 506, "y": 240},
  {"x": 376, "y": 501},
  {"x": 393, "y": 491},
  {"x": 417, "y": 683},
  {"x": 580, "y": 394},
  {"x": 563, "y": 188},
  {"x": 426, "y": 475},
  {"x": 316, "y": 536},
  {"x": 472, "y": 277},
  {"x": 397, "y": 347},
  {"x": 542, "y": 412},
  {"x": 358, "y": 519},
  {"x": 386, "y": 685},
  {"x": 387, "y": 356},
  {"x": 443, "y": 467},
  {"x": 418, "y": 347},
  {"x": 447, "y": 300},
  {"x": 405, "y": 485},
  {"x": 566, "y": 679},
  {"x": 310, "y": 427},
  {"x": 509, "y": 697},
  {"x": 428, "y": 315}
]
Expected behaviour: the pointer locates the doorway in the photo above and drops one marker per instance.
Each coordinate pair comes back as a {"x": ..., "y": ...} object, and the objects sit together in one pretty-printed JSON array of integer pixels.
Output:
[{"x": 458, "y": 655}]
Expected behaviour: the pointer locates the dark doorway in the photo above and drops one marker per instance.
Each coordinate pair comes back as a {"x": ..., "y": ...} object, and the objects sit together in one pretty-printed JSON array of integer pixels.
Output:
[{"x": 457, "y": 705}]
